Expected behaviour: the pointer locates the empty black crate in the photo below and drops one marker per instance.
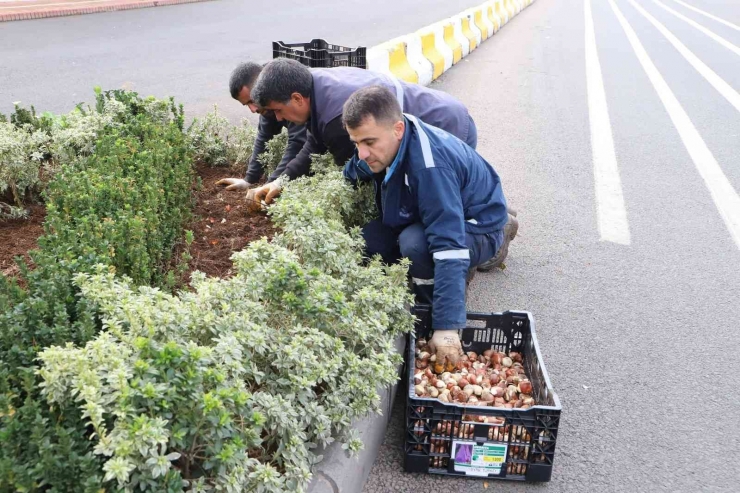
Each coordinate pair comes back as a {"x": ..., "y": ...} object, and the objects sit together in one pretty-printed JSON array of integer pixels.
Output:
[
  {"x": 320, "y": 54},
  {"x": 522, "y": 442}
]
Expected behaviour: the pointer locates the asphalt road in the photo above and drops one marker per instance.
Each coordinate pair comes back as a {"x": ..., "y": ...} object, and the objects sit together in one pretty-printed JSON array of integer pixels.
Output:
[
  {"x": 641, "y": 340},
  {"x": 186, "y": 51}
]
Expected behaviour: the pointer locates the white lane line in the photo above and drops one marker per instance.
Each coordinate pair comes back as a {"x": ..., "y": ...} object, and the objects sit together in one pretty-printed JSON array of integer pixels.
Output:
[
  {"x": 725, "y": 197},
  {"x": 707, "y": 14},
  {"x": 720, "y": 85},
  {"x": 611, "y": 213},
  {"x": 717, "y": 38}
]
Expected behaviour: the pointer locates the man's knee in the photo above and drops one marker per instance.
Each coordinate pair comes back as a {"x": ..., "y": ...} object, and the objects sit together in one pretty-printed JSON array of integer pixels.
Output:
[
  {"x": 380, "y": 240},
  {"x": 413, "y": 243}
]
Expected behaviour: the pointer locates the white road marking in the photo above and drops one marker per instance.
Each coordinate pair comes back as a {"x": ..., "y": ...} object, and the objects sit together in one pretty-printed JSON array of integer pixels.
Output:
[
  {"x": 717, "y": 38},
  {"x": 611, "y": 213},
  {"x": 717, "y": 82},
  {"x": 724, "y": 196},
  {"x": 707, "y": 14}
]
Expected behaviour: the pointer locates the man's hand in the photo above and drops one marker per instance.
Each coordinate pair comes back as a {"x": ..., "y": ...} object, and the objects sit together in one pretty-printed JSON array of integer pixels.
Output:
[
  {"x": 266, "y": 193},
  {"x": 446, "y": 345},
  {"x": 235, "y": 183}
]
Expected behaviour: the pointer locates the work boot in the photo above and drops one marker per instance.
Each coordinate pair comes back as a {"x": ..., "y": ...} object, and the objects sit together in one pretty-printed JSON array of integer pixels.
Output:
[
  {"x": 471, "y": 275},
  {"x": 510, "y": 230}
]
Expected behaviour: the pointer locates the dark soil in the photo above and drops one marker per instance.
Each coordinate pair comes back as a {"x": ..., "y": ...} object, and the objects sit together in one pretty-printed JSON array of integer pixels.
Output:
[
  {"x": 222, "y": 224},
  {"x": 18, "y": 236}
]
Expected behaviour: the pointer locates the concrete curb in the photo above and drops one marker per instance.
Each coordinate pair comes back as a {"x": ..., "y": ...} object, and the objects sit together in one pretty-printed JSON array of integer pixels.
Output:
[
  {"x": 28, "y": 12},
  {"x": 337, "y": 473},
  {"x": 423, "y": 56}
]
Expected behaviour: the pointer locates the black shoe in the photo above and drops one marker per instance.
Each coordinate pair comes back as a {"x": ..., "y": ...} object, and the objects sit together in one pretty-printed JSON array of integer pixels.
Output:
[{"x": 510, "y": 230}]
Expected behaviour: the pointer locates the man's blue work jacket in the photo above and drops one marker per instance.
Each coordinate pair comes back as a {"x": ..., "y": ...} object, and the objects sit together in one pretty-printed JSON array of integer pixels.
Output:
[{"x": 439, "y": 181}]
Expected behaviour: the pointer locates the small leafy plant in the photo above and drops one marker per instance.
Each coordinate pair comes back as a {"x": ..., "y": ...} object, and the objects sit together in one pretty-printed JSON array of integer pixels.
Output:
[{"x": 216, "y": 142}]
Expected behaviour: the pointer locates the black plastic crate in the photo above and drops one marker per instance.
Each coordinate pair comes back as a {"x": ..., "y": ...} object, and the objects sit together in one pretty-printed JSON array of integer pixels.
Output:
[
  {"x": 521, "y": 441},
  {"x": 320, "y": 54}
]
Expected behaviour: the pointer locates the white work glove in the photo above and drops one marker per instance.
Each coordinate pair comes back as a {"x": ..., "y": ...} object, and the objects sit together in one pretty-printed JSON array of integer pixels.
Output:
[
  {"x": 235, "y": 183},
  {"x": 446, "y": 345},
  {"x": 266, "y": 193}
]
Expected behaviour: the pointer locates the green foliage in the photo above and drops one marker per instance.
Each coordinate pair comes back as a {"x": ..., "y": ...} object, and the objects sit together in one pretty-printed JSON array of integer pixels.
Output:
[
  {"x": 33, "y": 148},
  {"x": 231, "y": 385},
  {"x": 274, "y": 150},
  {"x": 123, "y": 206},
  {"x": 126, "y": 204},
  {"x": 109, "y": 381},
  {"x": 216, "y": 142},
  {"x": 22, "y": 151},
  {"x": 126, "y": 104},
  {"x": 352, "y": 208},
  {"x": 21, "y": 117}
]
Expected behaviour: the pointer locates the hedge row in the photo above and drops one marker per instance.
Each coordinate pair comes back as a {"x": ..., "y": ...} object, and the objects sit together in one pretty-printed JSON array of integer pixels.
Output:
[
  {"x": 110, "y": 381},
  {"x": 123, "y": 206}
]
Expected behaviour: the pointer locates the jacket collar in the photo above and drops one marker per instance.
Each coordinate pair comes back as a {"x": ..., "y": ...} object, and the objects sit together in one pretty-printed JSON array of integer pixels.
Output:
[{"x": 401, "y": 151}]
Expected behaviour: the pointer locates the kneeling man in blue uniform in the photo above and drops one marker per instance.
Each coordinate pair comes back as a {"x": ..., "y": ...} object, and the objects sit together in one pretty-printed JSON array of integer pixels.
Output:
[{"x": 441, "y": 205}]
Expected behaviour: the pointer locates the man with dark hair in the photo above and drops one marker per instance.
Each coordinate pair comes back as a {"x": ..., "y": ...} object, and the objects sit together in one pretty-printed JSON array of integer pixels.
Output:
[
  {"x": 441, "y": 205},
  {"x": 315, "y": 97},
  {"x": 241, "y": 84}
]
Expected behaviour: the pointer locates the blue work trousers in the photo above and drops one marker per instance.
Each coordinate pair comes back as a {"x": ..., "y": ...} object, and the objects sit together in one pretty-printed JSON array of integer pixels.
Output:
[{"x": 412, "y": 243}]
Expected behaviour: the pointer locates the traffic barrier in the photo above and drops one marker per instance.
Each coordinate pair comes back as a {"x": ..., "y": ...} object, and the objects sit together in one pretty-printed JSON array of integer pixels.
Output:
[
  {"x": 399, "y": 62},
  {"x": 460, "y": 37},
  {"x": 431, "y": 53},
  {"x": 470, "y": 32},
  {"x": 423, "y": 56},
  {"x": 503, "y": 14},
  {"x": 492, "y": 16},
  {"x": 483, "y": 23},
  {"x": 451, "y": 41}
]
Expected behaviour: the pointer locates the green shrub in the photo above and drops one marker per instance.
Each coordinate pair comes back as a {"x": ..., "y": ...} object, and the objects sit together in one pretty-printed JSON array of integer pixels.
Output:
[
  {"x": 22, "y": 151},
  {"x": 21, "y": 117},
  {"x": 230, "y": 386},
  {"x": 124, "y": 205},
  {"x": 274, "y": 150},
  {"x": 217, "y": 142},
  {"x": 226, "y": 387}
]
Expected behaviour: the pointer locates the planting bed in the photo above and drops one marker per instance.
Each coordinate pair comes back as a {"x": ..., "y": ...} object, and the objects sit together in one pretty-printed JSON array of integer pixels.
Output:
[
  {"x": 222, "y": 224},
  {"x": 214, "y": 383},
  {"x": 18, "y": 236}
]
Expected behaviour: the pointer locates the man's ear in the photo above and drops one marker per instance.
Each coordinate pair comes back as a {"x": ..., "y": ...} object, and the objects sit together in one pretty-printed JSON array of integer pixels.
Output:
[
  {"x": 297, "y": 98},
  {"x": 398, "y": 129}
]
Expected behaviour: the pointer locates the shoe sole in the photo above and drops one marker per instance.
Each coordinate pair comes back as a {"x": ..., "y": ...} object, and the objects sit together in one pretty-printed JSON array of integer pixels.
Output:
[{"x": 504, "y": 250}]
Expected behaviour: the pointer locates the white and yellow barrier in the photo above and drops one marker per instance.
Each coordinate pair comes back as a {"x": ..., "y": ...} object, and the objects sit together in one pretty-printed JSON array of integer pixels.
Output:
[{"x": 423, "y": 56}]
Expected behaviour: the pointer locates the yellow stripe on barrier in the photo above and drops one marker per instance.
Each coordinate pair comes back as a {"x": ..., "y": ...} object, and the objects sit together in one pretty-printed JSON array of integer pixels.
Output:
[
  {"x": 457, "y": 52},
  {"x": 502, "y": 12},
  {"x": 510, "y": 8},
  {"x": 493, "y": 18},
  {"x": 400, "y": 66},
  {"x": 468, "y": 33},
  {"x": 429, "y": 49},
  {"x": 481, "y": 25}
]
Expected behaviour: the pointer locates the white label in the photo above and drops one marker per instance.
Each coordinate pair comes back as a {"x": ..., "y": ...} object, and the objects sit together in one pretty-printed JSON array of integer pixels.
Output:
[{"x": 478, "y": 460}]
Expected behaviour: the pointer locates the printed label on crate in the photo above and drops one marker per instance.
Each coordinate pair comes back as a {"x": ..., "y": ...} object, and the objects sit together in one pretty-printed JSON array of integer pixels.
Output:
[{"x": 478, "y": 460}]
